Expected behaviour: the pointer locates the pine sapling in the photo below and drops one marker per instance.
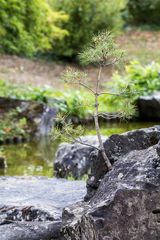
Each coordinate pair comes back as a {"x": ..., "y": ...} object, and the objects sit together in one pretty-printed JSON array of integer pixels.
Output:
[{"x": 102, "y": 52}]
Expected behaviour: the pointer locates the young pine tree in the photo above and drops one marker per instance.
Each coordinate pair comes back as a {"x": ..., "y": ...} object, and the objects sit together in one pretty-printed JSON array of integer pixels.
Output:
[{"x": 102, "y": 52}]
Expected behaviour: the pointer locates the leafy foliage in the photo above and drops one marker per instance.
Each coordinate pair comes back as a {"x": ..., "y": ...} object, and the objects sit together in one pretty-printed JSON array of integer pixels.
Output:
[
  {"x": 28, "y": 26},
  {"x": 87, "y": 17},
  {"x": 143, "y": 12},
  {"x": 143, "y": 79},
  {"x": 67, "y": 101},
  {"x": 138, "y": 80}
]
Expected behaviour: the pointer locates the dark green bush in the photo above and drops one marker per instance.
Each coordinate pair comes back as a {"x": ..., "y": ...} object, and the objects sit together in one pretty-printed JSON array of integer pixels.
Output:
[
  {"x": 143, "y": 12},
  {"x": 27, "y": 26},
  {"x": 87, "y": 17}
]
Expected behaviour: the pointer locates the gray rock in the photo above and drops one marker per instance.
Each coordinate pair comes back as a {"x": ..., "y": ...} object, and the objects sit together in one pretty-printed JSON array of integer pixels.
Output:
[
  {"x": 149, "y": 107},
  {"x": 31, "y": 207},
  {"x": 117, "y": 146},
  {"x": 127, "y": 203},
  {"x": 74, "y": 159},
  {"x": 30, "y": 231}
]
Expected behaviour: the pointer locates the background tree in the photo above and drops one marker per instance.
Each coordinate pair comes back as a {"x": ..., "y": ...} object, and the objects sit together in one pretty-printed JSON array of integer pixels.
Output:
[
  {"x": 144, "y": 12},
  {"x": 103, "y": 52},
  {"x": 86, "y": 18},
  {"x": 28, "y": 26}
]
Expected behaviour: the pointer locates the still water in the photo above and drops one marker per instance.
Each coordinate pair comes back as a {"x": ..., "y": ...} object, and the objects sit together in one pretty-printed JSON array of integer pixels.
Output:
[{"x": 36, "y": 158}]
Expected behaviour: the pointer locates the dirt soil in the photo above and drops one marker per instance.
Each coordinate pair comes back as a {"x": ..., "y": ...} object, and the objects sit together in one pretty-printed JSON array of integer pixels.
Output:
[
  {"x": 39, "y": 73},
  {"x": 142, "y": 45}
]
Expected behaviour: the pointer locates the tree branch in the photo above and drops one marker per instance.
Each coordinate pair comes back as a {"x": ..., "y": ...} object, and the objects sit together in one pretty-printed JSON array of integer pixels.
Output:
[
  {"x": 81, "y": 142},
  {"x": 114, "y": 61},
  {"x": 87, "y": 87},
  {"x": 109, "y": 93},
  {"x": 109, "y": 115}
]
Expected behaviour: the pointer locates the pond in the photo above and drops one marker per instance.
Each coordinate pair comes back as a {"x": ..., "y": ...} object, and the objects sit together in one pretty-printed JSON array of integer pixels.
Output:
[{"x": 36, "y": 158}]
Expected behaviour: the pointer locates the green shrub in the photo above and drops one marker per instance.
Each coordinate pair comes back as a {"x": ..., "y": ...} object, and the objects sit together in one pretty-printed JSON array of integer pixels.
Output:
[
  {"x": 138, "y": 79},
  {"x": 143, "y": 12},
  {"x": 74, "y": 99},
  {"x": 87, "y": 17},
  {"x": 28, "y": 26}
]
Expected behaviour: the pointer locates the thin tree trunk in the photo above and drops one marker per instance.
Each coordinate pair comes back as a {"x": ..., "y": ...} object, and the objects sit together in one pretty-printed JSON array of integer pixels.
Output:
[{"x": 107, "y": 161}]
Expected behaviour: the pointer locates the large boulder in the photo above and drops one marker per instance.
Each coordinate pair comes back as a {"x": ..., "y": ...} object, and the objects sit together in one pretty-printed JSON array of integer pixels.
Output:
[
  {"x": 149, "y": 107},
  {"x": 74, "y": 159},
  {"x": 117, "y": 146},
  {"x": 31, "y": 207},
  {"x": 126, "y": 205}
]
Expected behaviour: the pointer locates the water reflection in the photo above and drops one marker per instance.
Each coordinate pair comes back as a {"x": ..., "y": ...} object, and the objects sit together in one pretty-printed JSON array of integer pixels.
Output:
[
  {"x": 36, "y": 158},
  {"x": 120, "y": 127}
]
